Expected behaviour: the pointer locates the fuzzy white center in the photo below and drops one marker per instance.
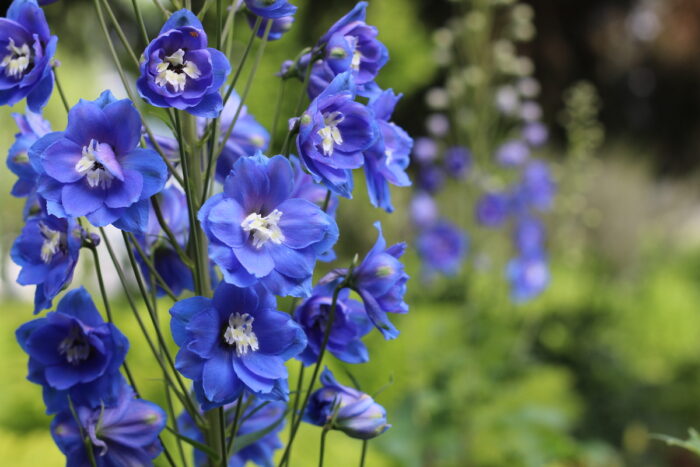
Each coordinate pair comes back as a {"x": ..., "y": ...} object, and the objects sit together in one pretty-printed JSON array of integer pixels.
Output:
[
  {"x": 92, "y": 169},
  {"x": 53, "y": 242},
  {"x": 264, "y": 228},
  {"x": 330, "y": 134},
  {"x": 239, "y": 333},
  {"x": 17, "y": 61},
  {"x": 174, "y": 70}
]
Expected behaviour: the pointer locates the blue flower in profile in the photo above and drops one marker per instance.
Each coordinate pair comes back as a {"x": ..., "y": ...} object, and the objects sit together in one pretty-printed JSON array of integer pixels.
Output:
[
  {"x": 334, "y": 132},
  {"x": 47, "y": 250},
  {"x": 529, "y": 236},
  {"x": 258, "y": 415},
  {"x": 31, "y": 127},
  {"x": 458, "y": 160},
  {"x": 95, "y": 168},
  {"x": 431, "y": 178},
  {"x": 537, "y": 187},
  {"x": 346, "y": 409},
  {"x": 154, "y": 242},
  {"x": 258, "y": 233},
  {"x": 493, "y": 208},
  {"x": 27, "y": 48},
  {"x": 423, "y": 210},
  {"x": 350, "y": 45},
  {"x": 528, "y": 276},
  {"x": 442, "y": 248},
  {"x": 279, "y": 26},
  {"x": 74, "y": 354},
  {"x": 234, "y": 342},
  {"x": 387, "y": 159},
  {"x": 180, "y": 71},
  {"x": 350, "y": 324},
  {"x": 512, "y": 153},
  {"x": 125, "y": 434},
  {"x": 270, "y": 9}
]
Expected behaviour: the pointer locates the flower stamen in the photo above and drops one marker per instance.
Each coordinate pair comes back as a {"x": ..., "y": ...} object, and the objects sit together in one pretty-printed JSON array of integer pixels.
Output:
[
  {"x": 174, "y": 70},
  {"x": 264, "y": 228},
  {"x": 89, "y": 166},
  {"x": 17, "y": 61},
  {"x": 239, "y": 333},
  {"x": 330, "y": 134},
  {"x": 54, "y": 241}
]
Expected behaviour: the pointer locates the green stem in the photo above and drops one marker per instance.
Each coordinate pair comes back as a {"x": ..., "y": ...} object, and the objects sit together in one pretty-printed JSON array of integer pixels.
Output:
[
  {"x": 222, "y": 436},
  {"x": 278, "y": 111},
  {"x": 239, "y": 68},
  {"x": 120, "y": 33},
  {"x": 363, "y": 456},
  {"x": 286, "y": 148},
  {"x": 60, "y": 89},
  {"x": 169, "y": 233},
  {"x": 162, "y": 9},
  {"x": 234, "y": 426},
  {"x": 151, "y": 267},
  {"x": 324, "y": 433},
  {"x": 139, "y": 17},
  {"x": 297, "y": 395}
]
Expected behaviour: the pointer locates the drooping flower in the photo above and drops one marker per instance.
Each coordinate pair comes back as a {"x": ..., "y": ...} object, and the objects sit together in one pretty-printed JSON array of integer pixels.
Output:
[
  {"x": 442, "y": 248},
  {"x": 431, "y": 178},
  {"x": 258, "y": 233},
  {"x": 279, "y": 26},
  {"x": 537, "y": 187},
  {"x": 120, "y": 435},
  {"x": 493, "y": 208},
  {"x": 458, "y": 160},
  {"x": 387, "y": 159},
  {"x": 74, "y": 354},
  {"x": 423, "y": 210},
  {"x": 346, "y": 409},
  {"x": 233, "y": 342},
  {"x": 528, "y": 276},
  {"x": 350, "y": 324},
  {"x": 529, "y": 236},
  {"x": 27, "y": 48},
  {"x": 153, "y": 241},
  {"x": 47, "y": 250},
  {"x": 258, "y": 415},
  {"x": 270, "y": 9},
  {"x": 180, "y": 71},
  {"x": 95, "y": 169},
  {"x": 333, "y": 134},
  {"x": 512, "y": 153}
]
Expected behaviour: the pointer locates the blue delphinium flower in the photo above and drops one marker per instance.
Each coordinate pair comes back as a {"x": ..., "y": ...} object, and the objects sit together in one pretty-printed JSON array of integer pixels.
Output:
[
  {"x": 333, "y": 134},
  {"x": 512, "y": 153},
  {"x": 442, "y": 248},
  {"x": 180, "y": 71},
  {"x": 270, "y": 9},
  {"x": 529, "y": 236},
  {"x": 95, "y": 168},
  {"x": 258, "y": 415},
  {"x": 535, "y": 134},
  {"x": 387, "y": 159},
  {"x": 425, "y": 150},
  {"x": 47, "y": 250},
  {"x": 458, "y": 160},
  {"x": 350, "y": 324},
  {"x": 528, "y": 276},
  {"x": 279, "y": 26},
  {"x": 31, "y": 127},
  {"x": 431, "y": 178},
  {"x": 350, "y": 45},
  {"x": 258, "y": 233},
  {"x": 537, "y": 187},
  {"x": 346, "y": 409},
  {"x": 74, "y": 354},
  {"x": 27, "y": 48},
  {"x": 423, "y": 210},
  {"x": 125, "y": 434},
  {"x": 306, "y": 188},
  {"x": 233, "y": 342},
  {"x": 153, "y": 241},
  {"x": 493, "y": 208}
]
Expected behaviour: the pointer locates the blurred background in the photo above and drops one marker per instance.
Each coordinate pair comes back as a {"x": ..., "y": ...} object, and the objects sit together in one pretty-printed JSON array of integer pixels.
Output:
[{"x": 582, "y": 374}]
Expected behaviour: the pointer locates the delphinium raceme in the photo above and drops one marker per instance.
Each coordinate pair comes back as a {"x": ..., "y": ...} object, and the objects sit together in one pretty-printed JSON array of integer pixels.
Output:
[{"x": 215, "y": 226}]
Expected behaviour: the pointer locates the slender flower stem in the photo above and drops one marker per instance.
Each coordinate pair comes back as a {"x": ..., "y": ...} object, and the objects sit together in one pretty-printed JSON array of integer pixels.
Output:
[
  {"x": 163, "y": 10},
  {"x": 120, "y": 33},
  {"x": 60, "y": 89},
  {"x": 297, "y": 395},
  {"x": 278, "y": 111},
  {"x": 234, "y": 425},
  {"x": 239, "y": 68},
  {"x": 324, "y": 433},
  {"x": 169, "y": 233},
  {"x": 286, "y": 148},
  {"x": 363, "y": 456},
  {"x": 139, "y": 17},
  {"x": 222, "y": 435},
  {"x": 151, "y": 267}
]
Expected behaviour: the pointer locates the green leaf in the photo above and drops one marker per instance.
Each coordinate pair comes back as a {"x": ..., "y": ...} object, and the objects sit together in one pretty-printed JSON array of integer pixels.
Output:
[
  {"x": 201, "y": 446},
  {"x": 692, "y": 444}
]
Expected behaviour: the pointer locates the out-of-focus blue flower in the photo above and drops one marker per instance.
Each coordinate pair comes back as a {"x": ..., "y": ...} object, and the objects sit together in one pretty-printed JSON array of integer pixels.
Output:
[
  {"x": 180, "y": 71},
  {"x": 74, "y": 354},
  {"x": 493, "y": 208},
  {"x": 425, "y": 150},
  {"x": 31, "y": 127},
  {"x": 258, "y": 233},
  {"x": 47, "y": 2},
  {"x": 530, "y": 111},
  {"x": 95, "y": 168},
  {"x": 346, "y": 409},
  {"x": 350, "y": 324},
  {"x": 431, "y": 178},
  {"x": 120, "y": 435},
  {"x": 270, "y": 9},
  {"x": 233, "y": 342},
  {"x": 535, "y": 134},
  {"x": 153, "y": 241},
  {"x": 27, "y": 48},
  {"x": 528, "y": 276},
  {"x": 529, "y": 236},
  {"x": 257, "y": 416},
  {"x": 279, "y": 26},
  {"x": 350, "y": 45},
  {"x": 47, "y": 250},
  {"x": 537, "y": 187},
  {"x": 247, "y": 137},
  {"x": 442, "y": 248},
  {"x": 458, "y": 160},
  {"x": 334, "y": 132},
  {"x": 423, "y": 210},
  {"x": 438, "y": 125},
  {"x": 512, "y": 153}
]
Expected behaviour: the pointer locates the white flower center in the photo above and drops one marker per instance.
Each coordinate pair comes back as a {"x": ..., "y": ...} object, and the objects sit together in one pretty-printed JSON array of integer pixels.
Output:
[
  {"x": 330, "y": 133},
  {"x": 89, "y": 166},
  {"x": 264, "y": 228},
  {"x": 356, "y": 59},
  {"x": 239, "y": 333},
  {"x": 174, "y": 70},
  {"x": 17, "y": 61},
  {"x": 74, "y": 347},
  {"x": 54, "y": 241}
]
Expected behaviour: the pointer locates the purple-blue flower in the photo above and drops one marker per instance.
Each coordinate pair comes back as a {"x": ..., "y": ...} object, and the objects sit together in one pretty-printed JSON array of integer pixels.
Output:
[
  {"x": 430, "y": 178},
  {"x": 125, "y": 434},
  {"x": 537, "y": 187},
  {"x": 27, "y": 48},
  {"x": 529, "y": 236},
  {"x": 180, "y": 71},
  {"x": 425, "y": 150},
  {"x": 442, "y": 248},
  {"x": 306, "y": 188},
  {"x": 258, "y": 233},
  {"x": 493, "y": 208},
  {"x": 279, "y": 26},
  {"x": 74, "y": 354},
  {"x": 257, "y": 416},
  {"x": 270, "y": 9},
  {"x": 512, "y": 153},
  {"x": 47, "y": 250},
  {"x": 334, "y": 132},
  {"x": 233, "y": 342},
  {"x": 346, "y": 409},
  {"x": 350, "y": 324},
  {"x": 31, "y": 127},
  {"x": 423, "y": 210},
  {"x": 95, "y": 168},
  {"x": 535, "y": 134},
  {"x": 528, "y": 276},
  {"x": 458, "y": 160},
  {"x": 387, "y": 159}
]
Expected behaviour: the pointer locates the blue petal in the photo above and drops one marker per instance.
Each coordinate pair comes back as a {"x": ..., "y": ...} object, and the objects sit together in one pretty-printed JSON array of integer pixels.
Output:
[
  {"x": 41, "y": 93},
  {"x": 126, "y": 125},
  {"x": 134, "y": 219},
  {"x": 181, "y": 313},
  {"x": 180, "y": 19},
  {"x": 152, "y": 168},
  {"x": 79, "y": 304},
  {"x": 218, "y": 379},
  {"x": 209, "y": 107}
]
